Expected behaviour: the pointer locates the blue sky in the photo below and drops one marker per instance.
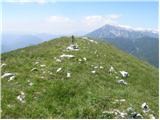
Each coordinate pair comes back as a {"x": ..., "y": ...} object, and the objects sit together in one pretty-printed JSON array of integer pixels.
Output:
[{"x": 72, "y": 17}]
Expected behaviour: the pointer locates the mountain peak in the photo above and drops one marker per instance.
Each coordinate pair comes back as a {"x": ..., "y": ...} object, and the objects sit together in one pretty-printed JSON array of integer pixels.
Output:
[
  {"x": 122, "y": 31},
  {"x": 130, "y": 28}
]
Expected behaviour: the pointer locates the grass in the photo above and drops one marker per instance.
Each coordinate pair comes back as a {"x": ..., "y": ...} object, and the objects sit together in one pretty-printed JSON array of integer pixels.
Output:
[{"x": 84, "y": 95}]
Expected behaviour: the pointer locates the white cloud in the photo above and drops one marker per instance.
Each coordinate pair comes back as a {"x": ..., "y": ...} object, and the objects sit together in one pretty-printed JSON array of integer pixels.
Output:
[
  {"x": 58, "y": 19},
  {"x": 30, "y": 1},
  {"x": 62, "y": 24},
  {"x": 93, "y": 22}
]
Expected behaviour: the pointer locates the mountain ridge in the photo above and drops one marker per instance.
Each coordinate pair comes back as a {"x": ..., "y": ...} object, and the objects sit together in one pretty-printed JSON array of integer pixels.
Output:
[
  {"x": 128, "y": 39},
  {"x": 81, "y": 83}
]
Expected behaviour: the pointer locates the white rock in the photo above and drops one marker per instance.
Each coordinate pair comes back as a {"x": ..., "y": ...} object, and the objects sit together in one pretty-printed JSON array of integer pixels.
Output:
[
  {"x": 136, "y": 115},
  {"x": 123, "y": 114},
  {"x": 58, "y": 60},
  {"x": 43, "y": 65},
  {"x": 3, "y": 65},
  {"x": 101, "y": 67},
  {"x": 108, "y": 112},
  {"x": 42, "y": 77},
  {"x": 7, "y": 75},
  {"x": 124, "y": 73},
  {"x": 122, "y": 100},
  {"x": 93, "y": 41},
  {"x": 34, "y": 69},
  {"x": 122, "y": 82},
  {"x": 30, "y": 83},
  {"x": 119, "y": 101},
  {"x": 139, "y": 116},
  {"x": 67, "y": 56},
  {"x": 145, "y": 107},
  {"x": 58, "y": 70},
  {"x": 111, "y": 70},
  {"x": 80, "y": 60},
  {"x": 116, "y": 77},
  {"x": 85, "y": 59},
  {"x": 11, "y": 78},
  {"x": 93, "y": 71},
  {"x": 21, "y": 97},
  {"x": 36, "y": 63},
  {"x": 116, "y": 100},
  {"x": 68, "y": 75},
  {"x": 73, "y": 47}
]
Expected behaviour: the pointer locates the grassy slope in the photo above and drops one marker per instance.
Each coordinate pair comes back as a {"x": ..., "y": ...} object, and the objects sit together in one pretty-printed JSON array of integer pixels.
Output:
[{"x": 84, "y": 95}]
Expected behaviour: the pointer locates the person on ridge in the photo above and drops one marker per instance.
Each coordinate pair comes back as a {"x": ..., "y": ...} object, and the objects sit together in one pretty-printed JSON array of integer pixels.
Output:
[{"x": 73, "y": 40}]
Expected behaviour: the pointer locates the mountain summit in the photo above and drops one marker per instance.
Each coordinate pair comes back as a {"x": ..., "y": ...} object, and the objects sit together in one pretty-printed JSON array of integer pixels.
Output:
[
  {"x": 141, "y": 43},
  {"x": 114, "y": 31},
  {"x": 84, "y": 79}
]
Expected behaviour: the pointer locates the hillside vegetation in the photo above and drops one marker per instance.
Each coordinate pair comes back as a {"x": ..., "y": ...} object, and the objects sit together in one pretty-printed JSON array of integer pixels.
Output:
[{"x": 83, "y": 86}]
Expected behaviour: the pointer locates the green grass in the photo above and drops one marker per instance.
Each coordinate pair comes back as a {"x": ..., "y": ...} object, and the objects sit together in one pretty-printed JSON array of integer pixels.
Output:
[{"x": 84, "y": 95}]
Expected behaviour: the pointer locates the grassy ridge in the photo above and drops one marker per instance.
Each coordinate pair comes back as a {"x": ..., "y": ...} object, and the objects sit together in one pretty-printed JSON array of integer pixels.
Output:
[{"x": 84, "y": 95}]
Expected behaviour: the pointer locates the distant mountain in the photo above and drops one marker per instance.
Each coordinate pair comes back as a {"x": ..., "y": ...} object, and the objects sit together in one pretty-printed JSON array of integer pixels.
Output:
[
  {"x": 140, "y": 43},
  {"x": 12, "y": 41}
]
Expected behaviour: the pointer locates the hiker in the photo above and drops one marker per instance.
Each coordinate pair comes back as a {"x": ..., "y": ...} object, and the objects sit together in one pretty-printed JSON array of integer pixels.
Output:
[{"x": 73, "y": 39}]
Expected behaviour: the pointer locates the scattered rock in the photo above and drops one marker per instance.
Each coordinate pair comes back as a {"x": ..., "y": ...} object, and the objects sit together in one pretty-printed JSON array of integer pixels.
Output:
[
  {"x": 58, "y": 70},
  {"x": 124, "y": 73},
  {"x": 80, "y": 60},
  {"x": 3, "y": 65},
  {"x": 93, "y": 41},
  {"x": 122, "y": 100},
  {"x": 67, "y": 56},
  {"x": 42, "y": 65},
  {"x": 85, "y": 59},
  {"x": 30, "y": 83},
  {"x": 68, "y": 75},
  {"x": 116, "y": 77},
  {"x": 101, "y": 67},
  {"x": 34, "y": 69},
  {"x": 123, "y": 115},
  {"x": 145, "y": 107},
  {"x": 122, "y": 82},
  {"x": 73, "y": 47},
  {"x": 119, "y": 101},
  {"x": 12, "y": 78},
  {"x": 120, "y": 114},
  {"x": 42, "y": 77},
  {"x": 93, "y": 71},
  {"x": 111, "y": 70},
  {"x": 58, "y": 60},
  {"x": 21, "y": 97},
  {"x": 36, "y": 63},
  {"x": 7, "y": 75},
  {"x": 136, "y": 115}
]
